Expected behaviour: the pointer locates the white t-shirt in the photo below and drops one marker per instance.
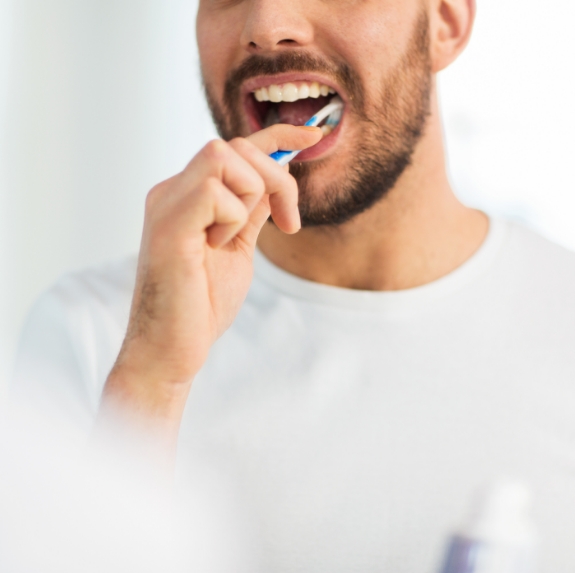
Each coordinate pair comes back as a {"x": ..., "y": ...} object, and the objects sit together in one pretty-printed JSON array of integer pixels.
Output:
[{"x": 359, "y": 424}]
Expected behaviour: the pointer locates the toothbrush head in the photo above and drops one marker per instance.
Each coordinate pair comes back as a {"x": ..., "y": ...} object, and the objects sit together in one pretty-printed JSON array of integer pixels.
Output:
[
  {"x": 333, "y": 108},
  {"x": 334, "y": 118},
  {"x": 331, "y": 113}
]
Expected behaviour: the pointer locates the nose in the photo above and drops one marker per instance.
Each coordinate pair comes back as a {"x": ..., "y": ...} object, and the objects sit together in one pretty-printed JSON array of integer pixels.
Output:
[{"x": 276, "y": 25}]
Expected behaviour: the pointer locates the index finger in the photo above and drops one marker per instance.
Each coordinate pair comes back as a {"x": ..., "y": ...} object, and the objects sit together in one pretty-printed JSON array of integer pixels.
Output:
[
  {"x": 285, "y": 136},
  {"x": 281, "y": 187}
]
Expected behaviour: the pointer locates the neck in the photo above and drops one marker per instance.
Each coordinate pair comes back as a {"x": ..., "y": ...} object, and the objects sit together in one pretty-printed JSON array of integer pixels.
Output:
[{"x": 416, "y": 234}]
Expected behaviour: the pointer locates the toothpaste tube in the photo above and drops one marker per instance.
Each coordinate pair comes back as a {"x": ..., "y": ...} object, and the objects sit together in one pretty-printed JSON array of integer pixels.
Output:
[{"x": 499, "y": 537}]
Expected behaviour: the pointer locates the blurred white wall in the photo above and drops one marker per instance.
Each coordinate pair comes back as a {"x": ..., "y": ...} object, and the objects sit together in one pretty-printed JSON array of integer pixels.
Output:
[
  {"x": 100, "y": 99},
  {"x": 510, "y": 117}
]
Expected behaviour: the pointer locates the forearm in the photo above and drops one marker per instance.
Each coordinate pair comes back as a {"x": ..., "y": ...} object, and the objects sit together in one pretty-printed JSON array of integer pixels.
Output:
[
  {"x": 142, "y": 412},
  {"x": 159, "y": 403}
]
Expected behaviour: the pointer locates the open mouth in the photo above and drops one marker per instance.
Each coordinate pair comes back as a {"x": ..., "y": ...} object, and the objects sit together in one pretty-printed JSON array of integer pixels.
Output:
[{"x": 293, "y": 103}]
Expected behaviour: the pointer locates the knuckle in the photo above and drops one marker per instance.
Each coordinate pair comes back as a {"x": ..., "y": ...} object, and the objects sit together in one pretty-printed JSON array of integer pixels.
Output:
[
  {"x": 241, "y": 216},
  {"x": 154, "y": 195},
  {"x": 237, "y": 209},
  {"x": 213, "y": 185},
  {"x": 259, "y": 186},
  {"x": 237, "y": 141},
  {"x": 242, "y": 144},
  {"x": 215, "y": 150},
  {"x": 244, "y": 213},
  {"x": 210, "y": 188}
]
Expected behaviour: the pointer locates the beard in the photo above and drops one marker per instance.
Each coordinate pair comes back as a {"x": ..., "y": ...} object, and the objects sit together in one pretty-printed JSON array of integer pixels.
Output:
[{"x": 389, "y": 131}]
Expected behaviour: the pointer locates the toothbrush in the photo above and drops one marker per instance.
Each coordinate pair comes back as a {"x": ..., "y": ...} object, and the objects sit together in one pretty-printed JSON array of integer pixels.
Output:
[{"x": 332, "y": 111}]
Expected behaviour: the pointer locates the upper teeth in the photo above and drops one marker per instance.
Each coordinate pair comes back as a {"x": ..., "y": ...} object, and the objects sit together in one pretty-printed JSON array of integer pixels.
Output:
[{"x": 292, "y": 92}]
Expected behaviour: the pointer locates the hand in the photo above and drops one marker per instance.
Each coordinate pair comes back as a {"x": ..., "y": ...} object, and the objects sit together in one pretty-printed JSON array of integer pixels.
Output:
[{"x": 195, "y": 264}]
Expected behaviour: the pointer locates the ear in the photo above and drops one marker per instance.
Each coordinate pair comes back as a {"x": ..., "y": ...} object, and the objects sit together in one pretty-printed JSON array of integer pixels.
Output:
[{"x": 451, "y": 22}]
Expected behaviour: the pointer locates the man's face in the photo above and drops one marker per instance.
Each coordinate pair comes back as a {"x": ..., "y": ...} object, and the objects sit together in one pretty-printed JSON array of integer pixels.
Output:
[{"x": 374, "y": 54}]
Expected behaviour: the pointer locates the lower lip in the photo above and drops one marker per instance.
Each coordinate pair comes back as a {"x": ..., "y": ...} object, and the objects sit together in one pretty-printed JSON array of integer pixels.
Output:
[
  {"x": 327, "y": 143},
  {"x": 319, "y": 149}
]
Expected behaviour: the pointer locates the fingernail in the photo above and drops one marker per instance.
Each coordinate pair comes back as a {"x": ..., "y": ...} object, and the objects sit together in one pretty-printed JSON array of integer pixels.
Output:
[{"x": 309, "y": 128}]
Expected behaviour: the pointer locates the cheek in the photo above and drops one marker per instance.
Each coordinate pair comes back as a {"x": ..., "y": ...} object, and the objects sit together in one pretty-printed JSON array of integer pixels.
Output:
[
  {"x": 372, "y": 37},
  {"x": 217, "y": 45}
]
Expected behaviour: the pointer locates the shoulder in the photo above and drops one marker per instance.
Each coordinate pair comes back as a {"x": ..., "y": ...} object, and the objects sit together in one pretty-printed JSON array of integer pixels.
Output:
[
  {"x": 535, "y": 277},
  {"x": 531, "y": 253},
  {"x": 523, "y": 237},
  {"x": 97, "y": 294},
  {"x": 108, "y": 285},
  {"x": 90, "y": 307},
  {"x": 73, "y": 333}
]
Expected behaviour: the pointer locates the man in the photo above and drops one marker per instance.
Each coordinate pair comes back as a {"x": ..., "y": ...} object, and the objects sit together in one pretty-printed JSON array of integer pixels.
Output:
[{"x": 394, "y": 350}]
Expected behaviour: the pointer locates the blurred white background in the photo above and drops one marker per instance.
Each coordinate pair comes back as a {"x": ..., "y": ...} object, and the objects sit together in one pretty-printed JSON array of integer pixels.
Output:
[{"x": 101, "y": 99}]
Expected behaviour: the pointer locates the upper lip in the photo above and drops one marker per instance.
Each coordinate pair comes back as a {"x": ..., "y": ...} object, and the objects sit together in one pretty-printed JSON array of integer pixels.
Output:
[{"x": 264, "y": 81}]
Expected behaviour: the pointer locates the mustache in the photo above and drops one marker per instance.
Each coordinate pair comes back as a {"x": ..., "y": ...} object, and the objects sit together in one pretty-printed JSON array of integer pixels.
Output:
[{"x": 286, "y": 62}]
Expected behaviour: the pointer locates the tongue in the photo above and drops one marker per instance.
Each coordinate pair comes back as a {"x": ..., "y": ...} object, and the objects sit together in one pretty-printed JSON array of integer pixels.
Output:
[{"x": 298, "y": 112}]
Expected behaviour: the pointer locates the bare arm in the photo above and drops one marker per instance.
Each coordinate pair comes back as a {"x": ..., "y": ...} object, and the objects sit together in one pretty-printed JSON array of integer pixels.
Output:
[{"x": 194, "y": 271}]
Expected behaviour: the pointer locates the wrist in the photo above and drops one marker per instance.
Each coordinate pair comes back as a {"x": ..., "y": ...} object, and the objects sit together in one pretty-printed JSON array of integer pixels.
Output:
[
  {"x": 140, "y": 420},
  {"x": 142, "y": 391}
]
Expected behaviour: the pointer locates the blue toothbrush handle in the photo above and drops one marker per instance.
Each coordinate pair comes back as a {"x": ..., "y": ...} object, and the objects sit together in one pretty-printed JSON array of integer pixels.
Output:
[
  {"x": 279, "y": 155},
  {"x": 283, "y": 157}
]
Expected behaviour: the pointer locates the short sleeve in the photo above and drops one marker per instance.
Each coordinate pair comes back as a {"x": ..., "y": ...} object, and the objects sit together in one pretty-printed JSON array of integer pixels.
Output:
[{"x": 69, "y": 343}]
